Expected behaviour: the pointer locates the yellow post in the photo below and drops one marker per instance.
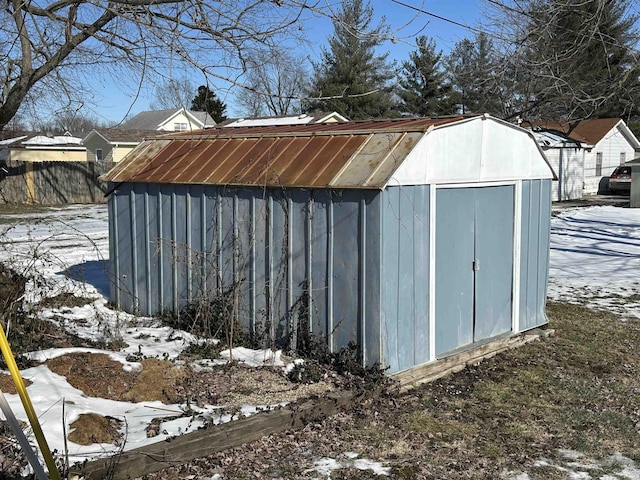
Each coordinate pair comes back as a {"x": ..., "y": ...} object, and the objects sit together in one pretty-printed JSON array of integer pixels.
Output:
[{"x": 28, "y": 406}]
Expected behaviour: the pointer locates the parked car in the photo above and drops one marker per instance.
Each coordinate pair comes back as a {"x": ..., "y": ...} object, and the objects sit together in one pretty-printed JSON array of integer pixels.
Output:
[{"x": 620, "y": 180}]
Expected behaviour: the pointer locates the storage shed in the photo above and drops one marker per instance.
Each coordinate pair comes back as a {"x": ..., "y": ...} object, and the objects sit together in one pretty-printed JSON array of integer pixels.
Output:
[{"x": 413, "y": 238}]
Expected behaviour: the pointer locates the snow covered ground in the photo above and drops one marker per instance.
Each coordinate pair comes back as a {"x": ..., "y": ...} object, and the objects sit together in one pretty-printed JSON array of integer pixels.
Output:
[
  {"x": 72, "y": 242},
  {"x": 595, "y": 256}
]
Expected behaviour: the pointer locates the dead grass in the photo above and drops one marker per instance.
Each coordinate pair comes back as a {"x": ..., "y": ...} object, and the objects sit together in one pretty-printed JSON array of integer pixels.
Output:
[
  {"x": 95, "y": 374},
  {"x": 93, "y": 428},
  {"x": 7, "y": 385},
  {"x": 158, "y": 380},
  {"x": 64, "y": 300},
  {"x": 578, "y": 390}
]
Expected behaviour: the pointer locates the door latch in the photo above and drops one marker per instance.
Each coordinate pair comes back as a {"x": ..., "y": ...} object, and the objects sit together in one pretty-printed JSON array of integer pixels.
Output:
[{"x": 476, "y": 265}]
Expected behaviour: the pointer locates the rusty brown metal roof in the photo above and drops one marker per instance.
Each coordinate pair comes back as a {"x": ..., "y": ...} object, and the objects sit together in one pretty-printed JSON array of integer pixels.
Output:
[{"x": 348, "y": 155}]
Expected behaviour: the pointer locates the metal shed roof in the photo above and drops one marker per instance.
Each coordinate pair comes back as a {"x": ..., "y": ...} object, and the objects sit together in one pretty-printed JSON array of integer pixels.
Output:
[
  {"x": 367, "y": 154},
  {"x": 355, "y": 154}
]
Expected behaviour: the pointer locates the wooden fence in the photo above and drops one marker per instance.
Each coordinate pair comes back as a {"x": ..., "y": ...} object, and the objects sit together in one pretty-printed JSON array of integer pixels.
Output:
[{"x": 52, "y": 183}]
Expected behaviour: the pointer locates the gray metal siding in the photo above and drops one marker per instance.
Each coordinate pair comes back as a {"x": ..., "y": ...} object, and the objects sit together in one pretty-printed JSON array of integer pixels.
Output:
[
  {"x": 405, "y": 276},
  {"x": 534, "y": 258},
  {"x": 309, "y": 252}
]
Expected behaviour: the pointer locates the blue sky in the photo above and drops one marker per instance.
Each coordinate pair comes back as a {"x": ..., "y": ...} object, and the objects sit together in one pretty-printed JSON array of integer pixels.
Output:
[{"x": 115, "y": 100}]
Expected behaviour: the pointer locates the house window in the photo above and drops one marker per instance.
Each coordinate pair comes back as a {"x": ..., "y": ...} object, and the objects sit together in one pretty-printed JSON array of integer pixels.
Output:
[
  {"x": 623, "y": 157},
  {"x": 599, "y": 164},
  {"x": 180, "y": 127},
  {"x": 99, "y": 155}
]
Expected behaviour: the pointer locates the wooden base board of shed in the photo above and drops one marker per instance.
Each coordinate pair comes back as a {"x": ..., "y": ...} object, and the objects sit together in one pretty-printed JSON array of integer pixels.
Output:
[
  {"x": 429, "y": 372},
  {"x": 188, "y": 447}
]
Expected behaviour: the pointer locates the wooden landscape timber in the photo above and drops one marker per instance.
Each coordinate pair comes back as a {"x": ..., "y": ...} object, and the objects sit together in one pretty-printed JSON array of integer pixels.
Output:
[
  {"x": 182, "y": 449},
  {"x": 201, "y": 443},
  {"x": 454, "y": 363}
]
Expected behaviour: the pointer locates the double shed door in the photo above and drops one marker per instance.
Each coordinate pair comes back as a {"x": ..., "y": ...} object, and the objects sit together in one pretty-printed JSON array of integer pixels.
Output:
[{"x": 474, "y": 265}]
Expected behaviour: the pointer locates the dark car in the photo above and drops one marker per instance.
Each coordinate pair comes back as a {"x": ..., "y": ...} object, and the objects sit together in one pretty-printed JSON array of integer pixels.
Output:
[{"x": 620, "y": 180}]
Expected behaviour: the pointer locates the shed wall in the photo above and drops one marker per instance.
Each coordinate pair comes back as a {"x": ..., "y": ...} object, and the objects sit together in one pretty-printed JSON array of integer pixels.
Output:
[
  {"x": 405, "y": 276},
  {"x": 534, "y": 256},
  {"x": 293, "y": 258}
]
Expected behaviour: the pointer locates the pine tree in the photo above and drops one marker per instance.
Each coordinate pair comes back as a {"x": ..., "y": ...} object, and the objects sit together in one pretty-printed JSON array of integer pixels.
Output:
[
  {"x": 424, "y": 89},
  {"x": 577, "y": 59},
  {"x": 472, "y": 71},
  {"x": 350, "y": 78},
  {"x": 207, "y": 101}
]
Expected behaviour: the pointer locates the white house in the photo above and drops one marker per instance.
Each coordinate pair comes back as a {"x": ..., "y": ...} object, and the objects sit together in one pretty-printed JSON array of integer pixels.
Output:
[
  {"x": 174, "y": 120},
  {"x": 607, "y": 143}
]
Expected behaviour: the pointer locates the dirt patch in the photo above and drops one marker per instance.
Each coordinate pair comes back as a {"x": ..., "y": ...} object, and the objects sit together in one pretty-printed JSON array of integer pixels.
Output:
[
  {"x": 93, "y": 428},
  {"x": 7, "y": 385}
]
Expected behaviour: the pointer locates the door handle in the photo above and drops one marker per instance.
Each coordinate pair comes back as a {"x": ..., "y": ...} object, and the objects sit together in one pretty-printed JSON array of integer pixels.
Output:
[{"x": 476, "y": 265}]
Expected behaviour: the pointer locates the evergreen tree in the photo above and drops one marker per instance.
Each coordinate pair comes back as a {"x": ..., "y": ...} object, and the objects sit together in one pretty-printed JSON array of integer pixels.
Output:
[
  {"x": 207, "y": 101},
  {"x": 577, "y": 60},
  {"x": 350, "y": 78},
  {"x": 472, "y": 72},
  {"x": 424, "y": 89}
]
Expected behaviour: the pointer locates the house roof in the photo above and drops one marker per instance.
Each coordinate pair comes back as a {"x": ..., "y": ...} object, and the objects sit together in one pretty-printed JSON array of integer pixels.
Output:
[
  {"x": 349, "y": 155},
  {"x": 555, "y": 139},
  {"x": 38, "y": 141},
  {"x": 122, "y": 136},
  {"x": 589, "y": 131},
  {"x": 154, "y": 119},
  {"x": 303, "y": 119}
]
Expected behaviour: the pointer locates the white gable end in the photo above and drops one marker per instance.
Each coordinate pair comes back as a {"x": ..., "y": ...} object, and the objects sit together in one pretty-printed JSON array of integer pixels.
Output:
[{"x": 481, "y": 149}]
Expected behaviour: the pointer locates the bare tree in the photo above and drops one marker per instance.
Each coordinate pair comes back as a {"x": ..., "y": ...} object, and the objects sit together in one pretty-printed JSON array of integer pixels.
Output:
[
  {"x": 68, "y": 121},
  {"x": 173, "y": 93},
  {"x": 275, "y": 82},
  {"x": 568, "y": 58},
  {"x": 58, "y": 47}
]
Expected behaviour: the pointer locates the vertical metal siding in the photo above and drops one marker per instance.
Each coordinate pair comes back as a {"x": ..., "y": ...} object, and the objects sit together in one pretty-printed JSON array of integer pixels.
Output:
[
  {"x": 371, "y": 316},
  {"x": 167, "y": 254},
  {"x": 534, "y": 267},
  {"x": 345, "y": 266},
  {"x": 319, "y": 263},
  {"x": 455, "y": 245},
  {"x": 420, "y": 204},
  {"x": 404, "y": 278},
  {"x": 389, "y": 277},
  {"x": 244, "y": 225},
  {"x": 314, "y": 252},
  {"x": 125, "y": 255},
  {"x": 298, "y": 243}
]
